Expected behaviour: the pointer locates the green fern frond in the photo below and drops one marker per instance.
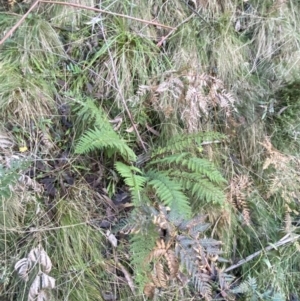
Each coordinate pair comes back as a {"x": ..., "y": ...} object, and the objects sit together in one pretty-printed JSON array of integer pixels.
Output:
[
  {"x": 204, "y": 167},
  {"x": 140, "y": 249},
  {"x": 103, "y": 136},
  {"x": 135, "y": 182},
  {"x": 171, "y": 159},
  {"x": 170, "y": 193},
  {"x": 199, "y": 188},
  {"x": 188, "y": 142},
  {"x": 100, "y": 139},
  {"x": 185, "y": 160},
  {"x": 88, "y": 111},
  {"x": 246, "y": 287}
]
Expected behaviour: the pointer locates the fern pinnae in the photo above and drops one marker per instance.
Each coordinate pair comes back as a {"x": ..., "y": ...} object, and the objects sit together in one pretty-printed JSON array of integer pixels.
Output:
[
  {"x": 140, "y": 249},
  {"x": 97, "y": 140},
  {"x": 170, "y": 193},
  {"x": 199, "y": 188},
  {"x": 182, "y": 143},
  {"x": 186, "y": 161},
  {"x": 175, "y": 158},
  {"x": 204, "y": 167},
  {"x": 88, "y": 111},
  {"x": 134, "y": 181},
  {"x": 102, "y": 136}
]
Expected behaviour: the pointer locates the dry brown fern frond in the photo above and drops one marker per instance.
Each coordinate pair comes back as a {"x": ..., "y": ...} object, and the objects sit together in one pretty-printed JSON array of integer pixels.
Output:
[
  {"x": 165, "y": 267},
  {"x": 46, "y": 142},
  {"x": 284, "y": 181},
  {"x": 158, "y": 252},
  {"x": 204, "y": 93},
  {"x": 159, "y": 277},
  {"x": 27, "y": 183},
  {"x": 42, "y": 283},
  {"x": 190, "y": 95},
  {"x": 197, "y": 254},
  {"x": 274, "y": 157},
  {"x": 240, "y": 188},
  {"x": 149, "y": 290},
  {"x": 173, "y": 264}
]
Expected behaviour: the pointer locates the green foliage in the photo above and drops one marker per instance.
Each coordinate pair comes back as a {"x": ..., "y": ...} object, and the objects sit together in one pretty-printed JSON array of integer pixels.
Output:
[
  {"x": 286, "y": 135},
  {"x": 250, "y": 291},
  {"x": 187, "y": 142},
  {"x": 169, "y": 193},
  {"x": 178, "y": 179},
  {"x": 76, "y": 246},
  {"x": 134, "y": 181},
  {"x": 140, "y": 249},
  {"x": 103, "y": 137},
  {"x": 8, "y": 177},
  {"x": 250, "y": 47},
  {"x": 175, "y": 180},
  {"x": 196, "y": 177}
]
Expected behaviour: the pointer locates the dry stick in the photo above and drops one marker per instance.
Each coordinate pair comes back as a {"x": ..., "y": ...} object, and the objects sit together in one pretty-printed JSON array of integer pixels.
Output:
[
  {"x": 106, "y": 12},
  {"x": 119, "y": 91},
  {"x": 126, "y": 275},
  {"x": 281, "y": 242},
  {"x": 12, "y": 30},
  {"x": 159, "y": 44}
]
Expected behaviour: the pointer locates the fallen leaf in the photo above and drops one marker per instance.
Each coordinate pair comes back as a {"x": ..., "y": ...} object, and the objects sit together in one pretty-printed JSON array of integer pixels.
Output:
[{"x": 23, "y": 149}]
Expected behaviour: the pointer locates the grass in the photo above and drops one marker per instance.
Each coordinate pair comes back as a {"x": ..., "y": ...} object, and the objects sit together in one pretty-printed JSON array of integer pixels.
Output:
[{"x": 60, "y": 56}]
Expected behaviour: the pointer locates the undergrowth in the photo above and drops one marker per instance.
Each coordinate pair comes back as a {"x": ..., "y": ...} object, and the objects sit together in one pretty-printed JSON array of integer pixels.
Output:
[{"x": 153, "y": 162}]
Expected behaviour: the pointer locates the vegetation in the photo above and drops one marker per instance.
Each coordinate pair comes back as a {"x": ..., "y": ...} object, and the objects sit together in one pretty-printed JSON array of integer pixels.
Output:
[{"x": 149, "y": 150}]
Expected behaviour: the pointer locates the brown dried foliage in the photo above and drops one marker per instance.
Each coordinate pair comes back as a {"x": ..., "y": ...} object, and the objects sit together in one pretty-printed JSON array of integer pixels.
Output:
[
  {"x": 240, "y": 188},
  {"x": 191, "y": 95}
]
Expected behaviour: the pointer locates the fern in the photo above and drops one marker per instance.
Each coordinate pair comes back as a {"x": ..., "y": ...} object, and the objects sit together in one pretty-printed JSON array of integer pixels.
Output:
[
  {"x": 197, "y": 177},
  {"x": 194, "y": 256},
  {"x": 199, "y": 188},
  {"x": 180, "y": 143},
  {"x": 90, "y": 113},
  {"x": 132, "y": 180},
  {"x": 193, "y": 164},
  {"x": 98, "y": 139},
  {"x": 9, "y": 176},
  {"x": 103, "y": 136},
  {"x": 140, "y": 249},
  {"x": 170, "y": 193}
]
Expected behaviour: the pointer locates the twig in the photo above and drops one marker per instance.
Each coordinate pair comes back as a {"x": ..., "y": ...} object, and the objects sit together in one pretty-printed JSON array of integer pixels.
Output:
[
  {"x": 194, "y": 11},
  {"x": 120, "y": 93},
  {"x": 106, "y": 12},
  {"x": 173, "y": 30},
  {"x": 126, "y": 275},
  {"x": 281, "y": 242},
  {"x": 12, "y": 30}
]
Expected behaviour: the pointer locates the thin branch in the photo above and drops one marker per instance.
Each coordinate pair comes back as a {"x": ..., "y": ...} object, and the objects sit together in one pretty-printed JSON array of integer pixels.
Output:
[
  {"x": 12, "y": 30},
  {"x": 126, "y": 275},
  {"x": 106, "y": 12},
  {"x": 281, "y": 242},
  {"x": 119, "y": 90},
  {"x": 194, "y": 11},
  {"x": 159, "y": 44}
]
